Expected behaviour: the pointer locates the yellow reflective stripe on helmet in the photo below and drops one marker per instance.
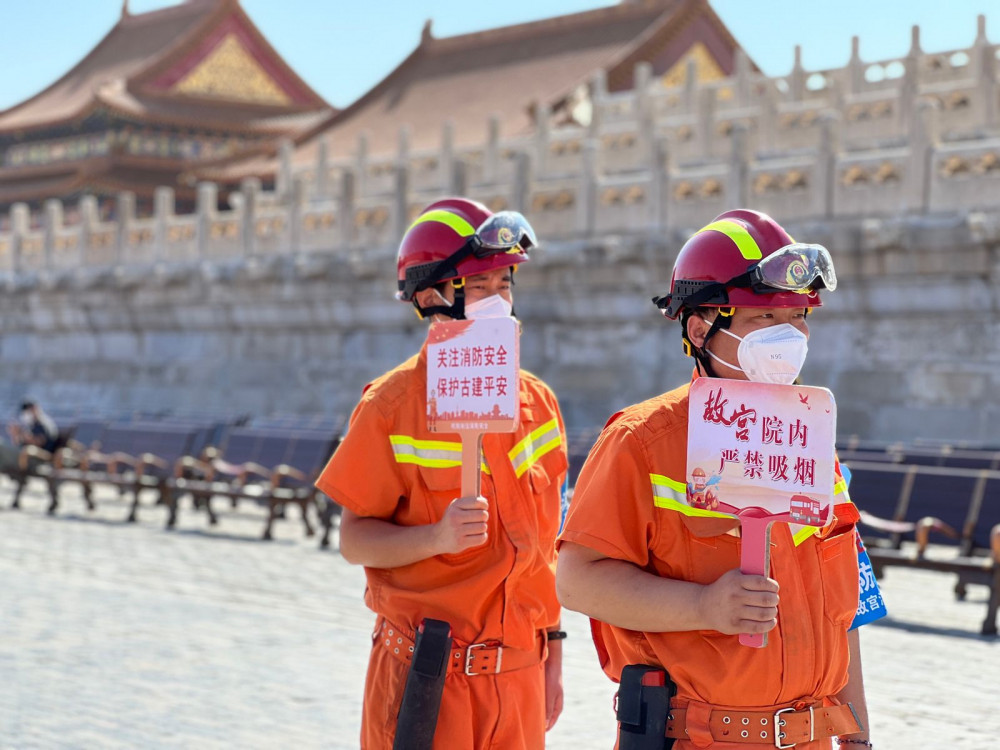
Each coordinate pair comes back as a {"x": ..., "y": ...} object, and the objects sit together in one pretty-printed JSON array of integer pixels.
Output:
[
  {"x": 540, "y": 441},
  {"x": 670, "y": 494},
  {"x": 434, "y": 454},
  {"x": 456, "y": 222},
  {"x": 735, "y": 231}
]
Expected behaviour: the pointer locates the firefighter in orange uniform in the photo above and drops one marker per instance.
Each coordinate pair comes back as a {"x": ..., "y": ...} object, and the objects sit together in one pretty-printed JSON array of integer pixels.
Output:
[
  {"x": 663, "y": 586},
  {"x": 485, "y": 565}
]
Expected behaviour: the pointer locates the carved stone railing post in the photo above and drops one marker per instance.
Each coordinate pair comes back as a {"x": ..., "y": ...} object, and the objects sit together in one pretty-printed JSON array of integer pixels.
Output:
[
  {"x": 250, "y": 196},
  {"x": 491, "y": 154},
  {"x": 642, "y": 74},
  {"x": 125, "y": 210},
  {"x": 598, "y": 100},
  {"x": 401, "y": 201},
  {"x": 53, "y": 219},
  {"x": 446, "y": 164},
  {"x": 283, "y": 180},
  {"x": 348, "y": 199},
  {"x": 163, "y": 211},
  {"x": 691, "y": 85},
  {"x": 767, "y": 134},
  {"x": 741, "y": 74},
  {"x": 321, "y": 189},
  {"x": 297, "y": 199},
  {"x": 89, "y": 218},
  {"x": 586, "y": 218},
  {"x": 824, "y": 187},
  {"x": 20, "y": 222},
  {"x": 984, "y": 65},
  {"x": 738, "y": 179},
  {"x": 458, "y": 182},
  {"x": 403, "y": 146},
  {"x": 645, "y": 126},
  {"x": 361, "y": 159},
  {"x": 910, "y": 82},
  {"x": 521, "y": 194},
  {"x": 797, "y": 78},
  {"x": 660, "y": 168},
  {"x": 855, "y": 68},
  {"x": 541, "y": 137},
  {"x": 706, "y": 121},
  {"x": 923, "y": 143},
  {"x": 208, "y": 208}
]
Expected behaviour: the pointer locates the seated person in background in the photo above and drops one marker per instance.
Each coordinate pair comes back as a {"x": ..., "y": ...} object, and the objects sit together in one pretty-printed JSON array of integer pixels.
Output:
[{"x": 34, "y": 427}]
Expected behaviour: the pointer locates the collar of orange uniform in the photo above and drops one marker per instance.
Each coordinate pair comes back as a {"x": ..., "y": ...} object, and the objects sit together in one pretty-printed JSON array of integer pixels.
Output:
[{"x": 845, "y": 515}]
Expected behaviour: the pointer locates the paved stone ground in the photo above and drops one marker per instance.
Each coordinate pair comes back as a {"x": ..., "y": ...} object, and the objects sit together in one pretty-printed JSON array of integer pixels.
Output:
[{"x": 116, "y": 635}]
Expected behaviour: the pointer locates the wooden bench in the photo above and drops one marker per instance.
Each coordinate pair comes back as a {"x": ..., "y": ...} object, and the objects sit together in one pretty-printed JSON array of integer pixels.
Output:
[
  {"x": 904, "y": 505},
  {"x": 37, "y": 463},
  {"x": 130, "y": 456},
  {"x": 264, "y": 466}
]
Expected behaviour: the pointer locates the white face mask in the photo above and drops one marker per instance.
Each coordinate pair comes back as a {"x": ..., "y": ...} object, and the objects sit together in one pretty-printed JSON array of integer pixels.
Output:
[
  {"x": 770, "y": 355},
  {"x": 494, "y": 306}
]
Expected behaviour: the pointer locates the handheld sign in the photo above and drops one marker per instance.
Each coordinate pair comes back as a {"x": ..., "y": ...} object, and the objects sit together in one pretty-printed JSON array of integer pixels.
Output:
[
  {"x": 762, "y": 453},
  {"x": 473, "y": 385}
]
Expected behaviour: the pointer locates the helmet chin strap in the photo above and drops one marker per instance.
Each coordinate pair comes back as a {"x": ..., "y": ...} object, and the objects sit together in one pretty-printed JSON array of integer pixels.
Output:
[
  {"x": 699, "y": 353},
  {"x": 456, "y": 310}
]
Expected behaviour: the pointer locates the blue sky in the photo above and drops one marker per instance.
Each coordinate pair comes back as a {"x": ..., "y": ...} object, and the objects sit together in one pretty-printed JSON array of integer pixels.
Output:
[{"x": 344, "y": 48}]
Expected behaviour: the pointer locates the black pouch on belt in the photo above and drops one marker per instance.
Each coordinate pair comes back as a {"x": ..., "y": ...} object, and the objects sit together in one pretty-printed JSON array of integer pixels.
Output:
[
  {"x": 643, "y": 702},
  {"x": 418, "y": 711}
]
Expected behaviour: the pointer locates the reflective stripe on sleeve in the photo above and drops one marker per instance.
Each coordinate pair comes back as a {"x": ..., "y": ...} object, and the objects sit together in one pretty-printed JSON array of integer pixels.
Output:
[
  {"x": 540, "y": 441},
  {"x": 434, "y": 454},
  {"x": 670, "y": 494}
]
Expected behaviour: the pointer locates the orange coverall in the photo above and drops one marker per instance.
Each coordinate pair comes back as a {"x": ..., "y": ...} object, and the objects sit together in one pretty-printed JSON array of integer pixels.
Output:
[
  {"x": 389, "y": 466},
  {"x": 640, "y": 457}
]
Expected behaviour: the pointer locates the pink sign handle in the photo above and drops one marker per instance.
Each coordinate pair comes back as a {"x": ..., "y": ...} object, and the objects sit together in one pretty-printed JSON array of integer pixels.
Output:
[
  {"x": 472, "y": 449},
  {"x": 755, "y": 557}
]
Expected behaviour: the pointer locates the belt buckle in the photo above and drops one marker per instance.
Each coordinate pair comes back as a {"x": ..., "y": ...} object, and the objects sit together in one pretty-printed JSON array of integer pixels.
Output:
[
  {"x": 469, "y": 656},
  {"x": 778, "y": 723}
]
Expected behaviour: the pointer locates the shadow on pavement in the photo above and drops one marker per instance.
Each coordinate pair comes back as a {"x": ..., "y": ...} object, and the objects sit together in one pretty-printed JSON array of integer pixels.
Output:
[{"x": 913, "y": 627}]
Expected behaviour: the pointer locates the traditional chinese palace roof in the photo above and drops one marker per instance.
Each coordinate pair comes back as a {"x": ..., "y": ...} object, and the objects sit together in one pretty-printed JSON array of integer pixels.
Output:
[
  {"x": 508, "y": 72},
  {"x": 162, "y": 92}
]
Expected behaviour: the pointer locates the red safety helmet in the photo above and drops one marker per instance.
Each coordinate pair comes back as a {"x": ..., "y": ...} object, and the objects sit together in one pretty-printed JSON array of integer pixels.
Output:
[
  {"x": 745, "y": 259},
  {"x": 457, "y": 237}
]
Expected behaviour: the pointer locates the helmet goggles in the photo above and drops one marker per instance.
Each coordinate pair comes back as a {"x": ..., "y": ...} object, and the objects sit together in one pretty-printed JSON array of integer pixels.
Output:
[
  {"x": 503, "y": 232},
  {"x": 794, "y": 268},
  {"x": 799, "y": 267}
]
